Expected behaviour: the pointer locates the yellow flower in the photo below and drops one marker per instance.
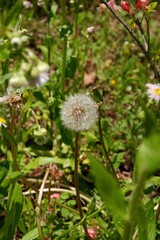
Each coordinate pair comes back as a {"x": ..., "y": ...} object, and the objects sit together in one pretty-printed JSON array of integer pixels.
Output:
[
  {"x": 2, "y": 122},
  {"x": 113, "y": 82}
]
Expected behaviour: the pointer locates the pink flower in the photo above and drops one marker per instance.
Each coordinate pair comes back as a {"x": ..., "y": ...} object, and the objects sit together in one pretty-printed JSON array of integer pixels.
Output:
[
  {"x": 93, "y": 232},
  {"x": 90, "y": 29},
  {"x": 112, "y": 4},
  {"x": 142, "y": 3},
  {"x": 55, "y": 195},
  {"x": 125, "y": 6}
]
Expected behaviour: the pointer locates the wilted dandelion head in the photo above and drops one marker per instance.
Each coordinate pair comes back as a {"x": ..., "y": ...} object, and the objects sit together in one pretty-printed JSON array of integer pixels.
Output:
[
  {"x": 153, "y": 91},
  {"x": 13, "y": 100},
  {"x": 79, "y": 112}
]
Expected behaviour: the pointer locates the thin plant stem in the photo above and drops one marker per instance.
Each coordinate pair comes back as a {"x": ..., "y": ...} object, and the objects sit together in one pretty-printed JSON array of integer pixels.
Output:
[
  {"x": 80, "y": 222},
  {"x": 147, "y": 55},
  {"x": 11, "y": 132},
  {"x": 38, "y": 215},
  {"x": 102, "y": 143},
  {"x": 130, "y": 221},
  {"x": 77, "y": 186},
  {"x": 64, "y": 53}
]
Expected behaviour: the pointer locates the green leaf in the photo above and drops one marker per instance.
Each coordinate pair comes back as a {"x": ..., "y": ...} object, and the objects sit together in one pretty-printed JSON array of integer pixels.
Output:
[
  {"x": 43, "y": 161},
  {"x": 45, "y": 52},
  {"x": 4, "y": 54},
  {"x": 8, "y": 136},
  {"x": 151, "y": 220},
  {"x": 5, "y": 77},
  {"x": 65, "y": 134},
  {"x": 152, "y": 6},
  {"x": 142, "y": 223},
  {"x": 54, "y": 8},
  {"x": 15, "y": 175},
  {"x": 33, "y": 234},
  {"x": 71, "y": 67},
  {"x": 91, "y": 207},
  {"x": 39, "y": 96},
  {"x": 13, "y": 14},
  {"x": 107, "y": 187},
  {"x": 13, "y": 211},
  {"x": 29, "y": 100},
  {"x": 148, "y": 157},
  {"x": 65, "y": 30},
  {"x": 4, "y": 167}
]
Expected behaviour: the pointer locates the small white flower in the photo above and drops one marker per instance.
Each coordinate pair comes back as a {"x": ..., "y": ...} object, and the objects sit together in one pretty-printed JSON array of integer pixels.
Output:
[
  {"x": 27, "y": 4},
  {"x": 16, "y": 42},
  {"x": 41, "y": 79},
  {"x": 153, "y": 91},
  {"x": 79, "y": 112}
]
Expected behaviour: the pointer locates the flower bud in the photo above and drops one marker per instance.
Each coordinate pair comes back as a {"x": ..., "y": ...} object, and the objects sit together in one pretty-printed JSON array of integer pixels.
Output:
[{"x": 125, "y": 6}]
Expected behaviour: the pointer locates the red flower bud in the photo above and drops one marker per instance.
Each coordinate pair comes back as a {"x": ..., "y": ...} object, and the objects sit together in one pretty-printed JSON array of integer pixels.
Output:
[
  {"x": 142, "y": 3},
  {"x": 125, "y": 6}
]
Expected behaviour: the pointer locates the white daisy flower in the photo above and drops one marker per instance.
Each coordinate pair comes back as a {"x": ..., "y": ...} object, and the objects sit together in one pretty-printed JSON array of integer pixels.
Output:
[
  {"x": 79, "y": 112},
  {"x": 2, "y": 122},
  {"x": 153, "y": 91}
]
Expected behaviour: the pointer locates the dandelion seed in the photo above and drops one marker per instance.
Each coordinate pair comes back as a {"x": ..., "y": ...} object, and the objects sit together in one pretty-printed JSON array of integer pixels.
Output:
[
  {"x": 79, "y": 112},
  {"x": 153, "y": 91}
]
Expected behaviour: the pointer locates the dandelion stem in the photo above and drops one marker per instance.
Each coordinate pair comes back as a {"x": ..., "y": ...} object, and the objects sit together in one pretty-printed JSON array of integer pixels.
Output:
[
  {"x": 102, "y": 143},
  {"x": 77, "y": 186},
  {"x": 64, "y": 54},
  {"x": 12, "y": 145}
]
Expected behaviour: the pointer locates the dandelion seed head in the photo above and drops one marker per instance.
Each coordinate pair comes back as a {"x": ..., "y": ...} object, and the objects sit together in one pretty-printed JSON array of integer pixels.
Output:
[
  {"x": 79, "y": 112},
  {"x": 153, "y": 91}
]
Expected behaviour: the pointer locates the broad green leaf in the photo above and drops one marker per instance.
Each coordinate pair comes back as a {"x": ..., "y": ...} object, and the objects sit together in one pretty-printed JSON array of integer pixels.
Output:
[
  {"x": 71, "y": 67},
  {"x": 119, "y": 224},
  {"x": 148, "y": 157},
  {"x": 43, "y": 161},
  {"x": 152, "y": 6},
  {"x": 33, "y": 234},
  {"x": 107, "y": 187},
  {"x": 8, "y": 136},
  {"x": 14, "y": 211},
  {"x": 13, "y": 13},
  {"x": 15, "y": 175},
  {"x": 4, "y": 54},
  {"x": 5, "y": 77},
  {"x": 151, "y": 220},
  {"x": 142, "y": 223},
  {"x": 4, "y": 167}
]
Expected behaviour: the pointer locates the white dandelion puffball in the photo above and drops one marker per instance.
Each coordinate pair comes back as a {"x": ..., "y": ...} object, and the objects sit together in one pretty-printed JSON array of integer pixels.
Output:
[
  {"x": 153, "y": 91},
  {"x": 79, "y": 112}
]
